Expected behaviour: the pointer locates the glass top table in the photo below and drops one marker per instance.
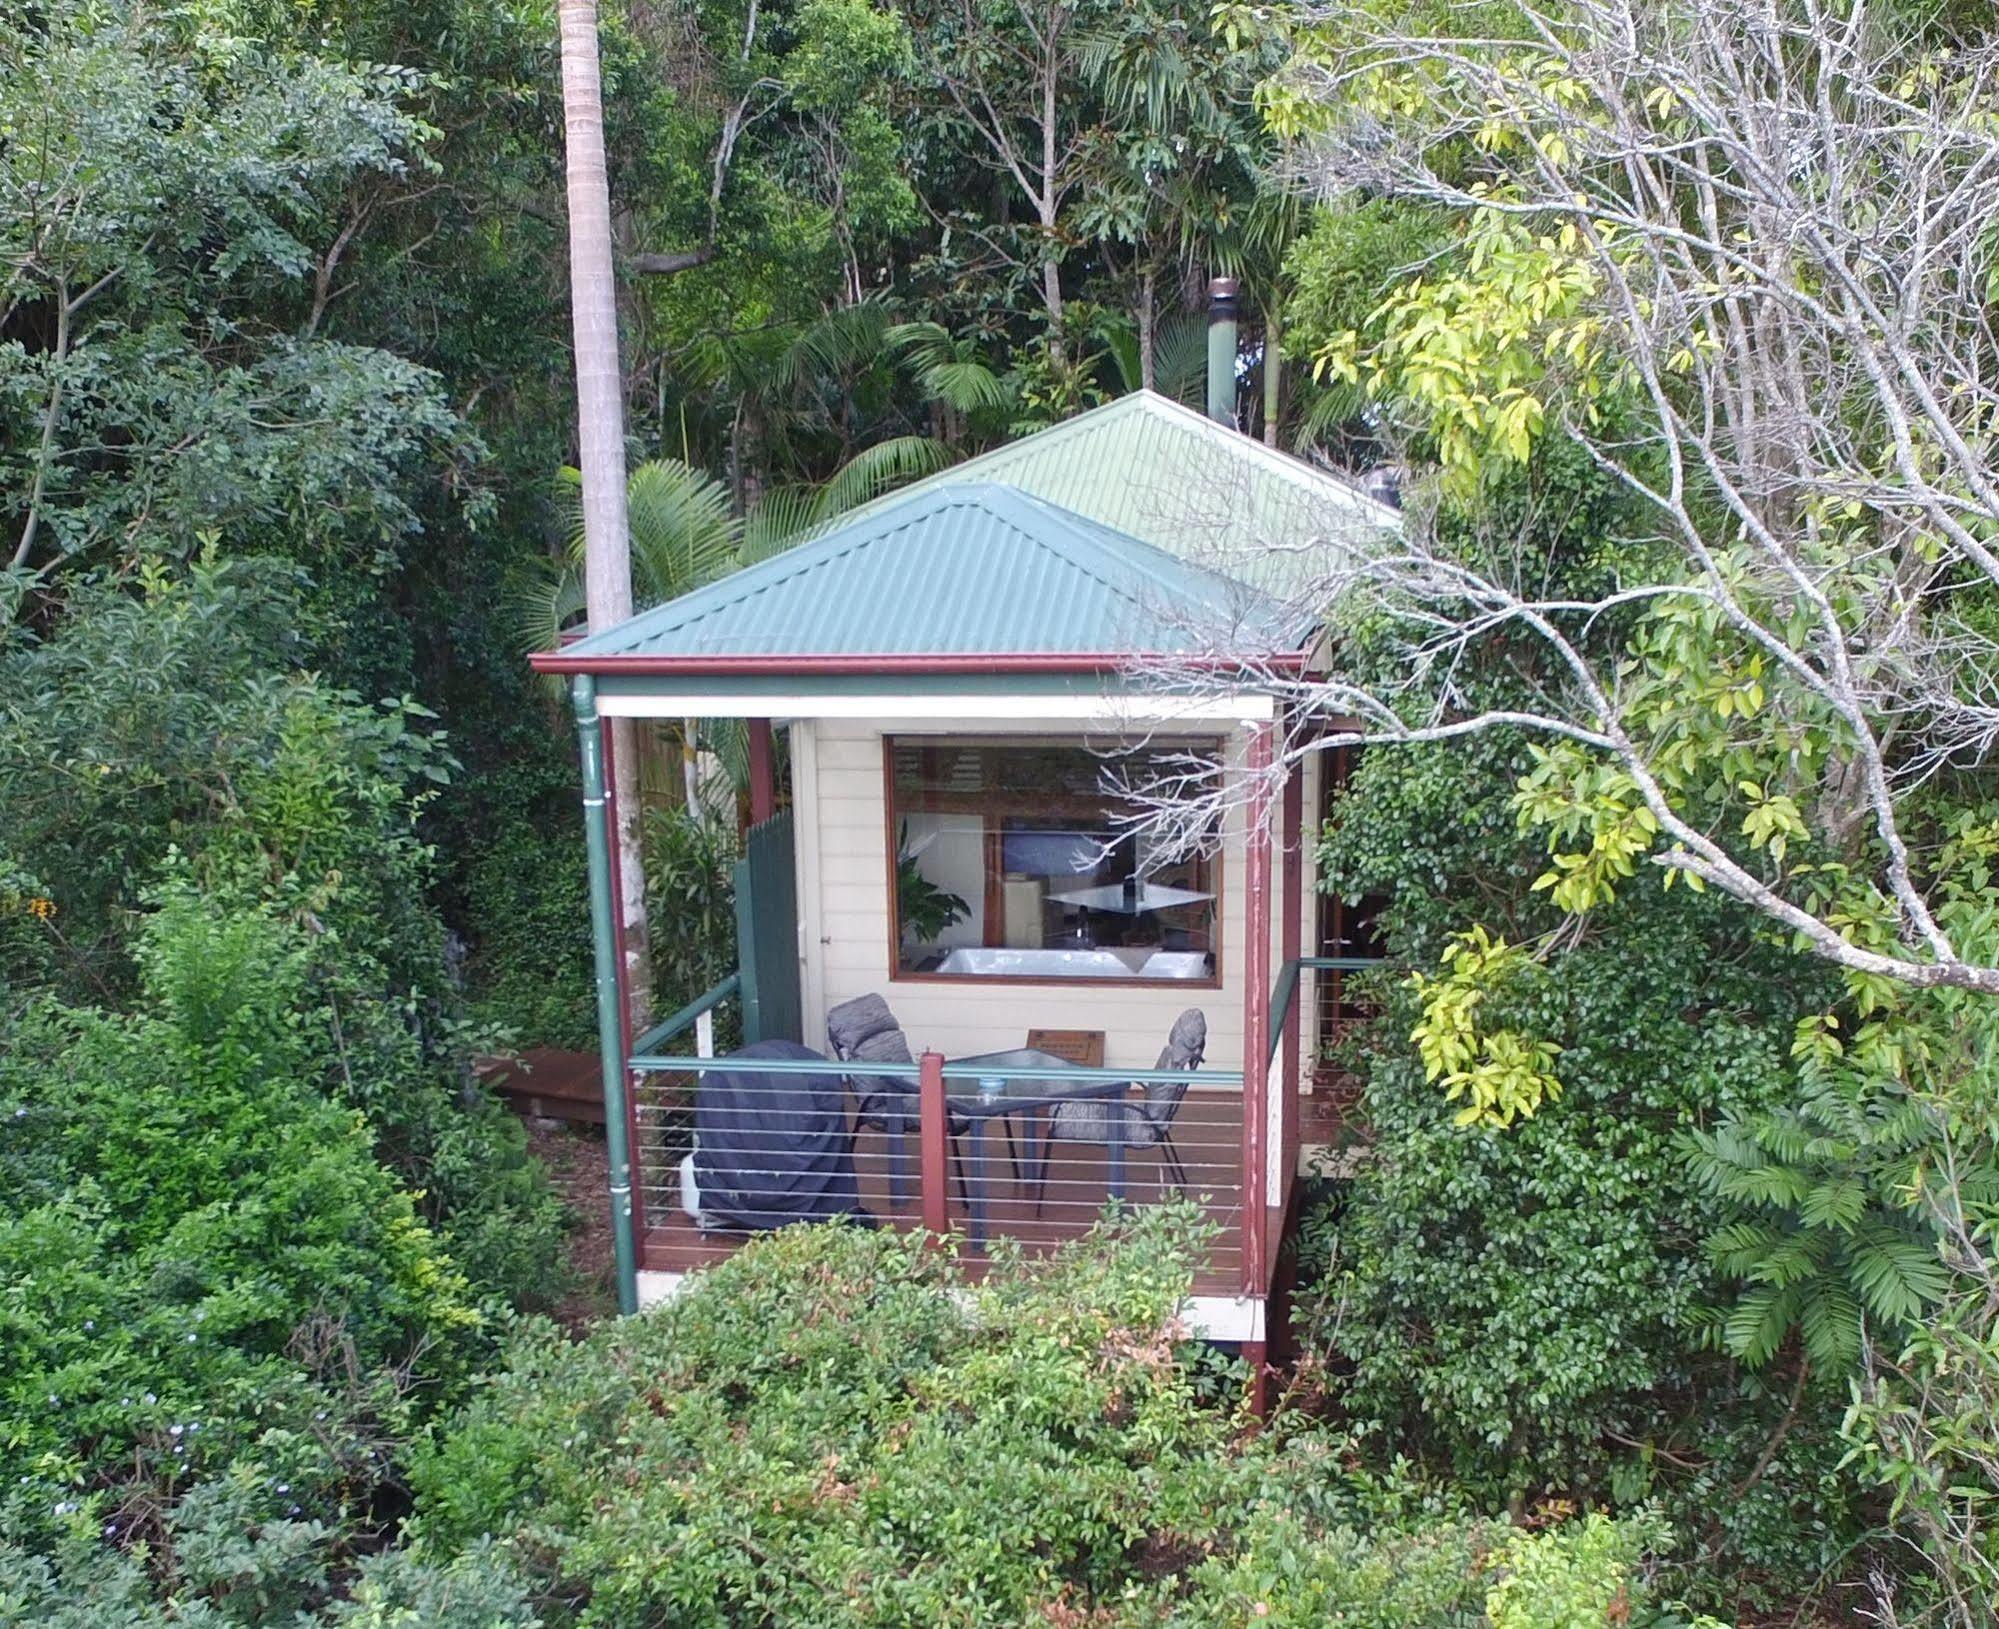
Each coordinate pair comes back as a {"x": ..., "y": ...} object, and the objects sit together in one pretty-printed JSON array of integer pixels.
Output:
[{"x": 994, "y": 1090}]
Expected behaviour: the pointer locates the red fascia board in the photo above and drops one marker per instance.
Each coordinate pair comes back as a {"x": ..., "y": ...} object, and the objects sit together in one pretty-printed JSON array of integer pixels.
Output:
[{"x": 901, "y": 664}]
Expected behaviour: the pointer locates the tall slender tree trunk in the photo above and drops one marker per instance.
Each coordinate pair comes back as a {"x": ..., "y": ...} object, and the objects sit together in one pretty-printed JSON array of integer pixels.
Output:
[
  {"x": 600, "y": 434},
  {"x": 1148, "y": 361},
  {"x": 1273, "y": 374}
]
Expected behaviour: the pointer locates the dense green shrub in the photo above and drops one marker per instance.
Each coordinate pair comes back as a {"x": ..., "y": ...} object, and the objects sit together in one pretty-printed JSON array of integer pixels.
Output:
[
  {"x": 164, "y": 734},
  {"x": 241, "y": 1573},
  {"x": 1535, "y": 1309},
  {"x": 526, "y": 906},
  {"x": 690, "y": 902},
  {"x": 836, "y": 1427},
  {"x": 203, "y": 1267}
]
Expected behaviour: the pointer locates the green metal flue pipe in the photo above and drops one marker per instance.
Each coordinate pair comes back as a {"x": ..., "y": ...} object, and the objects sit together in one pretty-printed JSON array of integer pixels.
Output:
[
  {"x": 610, "y": 1004},
  {"x": 1222, "y": 298}
]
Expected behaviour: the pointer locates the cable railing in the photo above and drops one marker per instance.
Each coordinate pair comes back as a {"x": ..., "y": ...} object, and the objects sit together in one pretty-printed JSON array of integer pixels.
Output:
[
  {"x": 1285, "y": 992},
  {"x": 1006, "y": 1152}
]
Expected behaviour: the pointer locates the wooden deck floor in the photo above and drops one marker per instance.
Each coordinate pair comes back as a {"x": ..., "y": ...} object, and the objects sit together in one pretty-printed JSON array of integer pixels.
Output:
[{"x": 1207, "y": 1134}]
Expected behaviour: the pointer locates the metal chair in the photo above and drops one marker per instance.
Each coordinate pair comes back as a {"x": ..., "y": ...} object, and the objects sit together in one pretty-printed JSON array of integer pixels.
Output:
[
  {"x": 864, "y": 1030},
  {"x": 1143, "y": 1125}
]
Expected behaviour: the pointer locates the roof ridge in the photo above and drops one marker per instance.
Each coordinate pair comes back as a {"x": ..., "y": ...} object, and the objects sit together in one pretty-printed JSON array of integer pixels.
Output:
[
  {"x": 1069, "y": 517},
  {"x": 1157, "y": 564},
  {"x": 1276, "y": 459},
  {"x": 1287, "y": 468}
]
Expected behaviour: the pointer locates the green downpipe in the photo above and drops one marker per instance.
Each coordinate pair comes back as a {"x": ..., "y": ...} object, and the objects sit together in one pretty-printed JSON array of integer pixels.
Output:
[{"x": 610, "y": 1010}]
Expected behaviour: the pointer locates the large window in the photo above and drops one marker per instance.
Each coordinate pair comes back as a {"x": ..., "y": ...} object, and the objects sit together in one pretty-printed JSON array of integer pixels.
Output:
[{"x": 1011, "y": 861}]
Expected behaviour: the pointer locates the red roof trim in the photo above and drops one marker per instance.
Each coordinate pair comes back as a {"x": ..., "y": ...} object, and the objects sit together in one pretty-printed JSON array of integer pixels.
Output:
[{"x": 897, "y": 665}]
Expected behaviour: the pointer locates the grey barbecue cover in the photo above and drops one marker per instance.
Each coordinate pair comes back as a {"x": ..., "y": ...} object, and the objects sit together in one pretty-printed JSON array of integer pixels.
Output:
[{"x": 773, "y": 1149}]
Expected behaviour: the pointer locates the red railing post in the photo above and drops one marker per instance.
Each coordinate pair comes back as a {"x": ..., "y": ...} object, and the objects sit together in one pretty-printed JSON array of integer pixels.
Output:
[
  {"x": 933, "y": 1125},
  {"x": 1256, "y": 1013},
  {"x": 1291, "y": 834},
  {"x": 763, "y": 772}
]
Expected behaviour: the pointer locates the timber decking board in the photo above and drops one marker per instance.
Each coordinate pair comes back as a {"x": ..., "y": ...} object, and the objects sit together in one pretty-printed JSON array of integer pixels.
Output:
[{"x": 550, "y": 1084}]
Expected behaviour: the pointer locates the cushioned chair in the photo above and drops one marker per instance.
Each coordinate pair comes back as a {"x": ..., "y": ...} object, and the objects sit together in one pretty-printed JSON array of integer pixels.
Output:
[
  {"x": 1143, "y": 1125},
  {"x": 863, "y": 1030}
]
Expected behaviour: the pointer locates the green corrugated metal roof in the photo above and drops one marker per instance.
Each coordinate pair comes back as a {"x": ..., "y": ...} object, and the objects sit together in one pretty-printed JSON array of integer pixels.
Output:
[
  {"x": 1160, "y": 472},
  {"x": 964, "y": 568}
]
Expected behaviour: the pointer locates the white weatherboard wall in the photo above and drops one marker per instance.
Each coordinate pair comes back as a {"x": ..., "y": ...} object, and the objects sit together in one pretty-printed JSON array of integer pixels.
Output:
[{"x": 841, "y": 819}]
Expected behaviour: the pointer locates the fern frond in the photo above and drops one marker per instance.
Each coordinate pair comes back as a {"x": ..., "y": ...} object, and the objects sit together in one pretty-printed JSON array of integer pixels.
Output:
[
  {"x": 1830, "y": 1325},
  {"x": 1758, "y": 1323},
  {"x": 1838, "y": 1204},
  {"x": 1897, "y": 1275}
]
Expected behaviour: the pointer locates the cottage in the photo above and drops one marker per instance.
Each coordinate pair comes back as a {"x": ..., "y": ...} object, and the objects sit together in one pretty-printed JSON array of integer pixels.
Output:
[{"x": 969, "y": 675}]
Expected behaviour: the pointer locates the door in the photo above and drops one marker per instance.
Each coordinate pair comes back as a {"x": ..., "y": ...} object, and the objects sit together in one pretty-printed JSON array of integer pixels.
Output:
[
  {"x": 767, "y": 932},
  {"x": 1346, "y": 928}
]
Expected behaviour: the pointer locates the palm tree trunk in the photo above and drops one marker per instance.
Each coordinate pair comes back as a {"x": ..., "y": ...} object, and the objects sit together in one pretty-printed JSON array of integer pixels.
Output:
[
  {"x": 600, "y": 434},
  {"x": 1148, "y": 370},
  {"x": 1273, "y": 374}
]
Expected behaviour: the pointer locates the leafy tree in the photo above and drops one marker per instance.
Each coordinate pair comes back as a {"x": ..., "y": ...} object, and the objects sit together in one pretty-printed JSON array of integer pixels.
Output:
[
  {"x": 1803, "y": 647},
  {"x": 163, "y": 192},
  {"x": 156, "y": 735}
]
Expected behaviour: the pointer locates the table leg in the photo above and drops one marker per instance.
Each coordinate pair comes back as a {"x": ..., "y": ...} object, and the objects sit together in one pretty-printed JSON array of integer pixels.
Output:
[
  {"x": 975, "y": 1200},
  {"x": 898, "y": 1163}
]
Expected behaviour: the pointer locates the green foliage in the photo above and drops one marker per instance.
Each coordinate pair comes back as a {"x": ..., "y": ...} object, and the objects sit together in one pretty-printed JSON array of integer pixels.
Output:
[
  {"x": 1476, "y": 352},
  {"x": 203, "y": 1257},
  {"x": 690, "y": 902},
  {"x": 923, "y": 909},
  {"x": 1846, "y": 1209},
  {"x": 1580, "y": 1575},
  {"x": 835, "y": 1427},
  {"x": 155, "y": 736},
  {"x": 1500, "y": 1073},
  {"x": 1821, "y": 1240},
  {"x": 163, "y": 199},
  {"x": 1532, "y": 1308},
  {"x": 238, "y": 1570},
  {"x": 526, "y": 894},
  {"x": 1923, "y": 1426}
]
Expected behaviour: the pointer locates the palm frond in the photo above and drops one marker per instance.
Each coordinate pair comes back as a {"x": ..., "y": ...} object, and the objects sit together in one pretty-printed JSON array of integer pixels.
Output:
[
  {"x": 684, "y": 531},
  {"x": 728, "y": 742},
  {"x": 844, "y": 338},
  {"x": 782, "y": 518},
  {"x": 1148, "y": 75},
  {"x": 1180, "y": 358},
  {"x": 947, "y": 369},
  {"x": 967, "y": 386},
  {"x": 544, "y": 599},
  {"x": 921, "y": 344},
  {"x": 875, "y": 470},
  {"x": 566, "y": 493}
]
